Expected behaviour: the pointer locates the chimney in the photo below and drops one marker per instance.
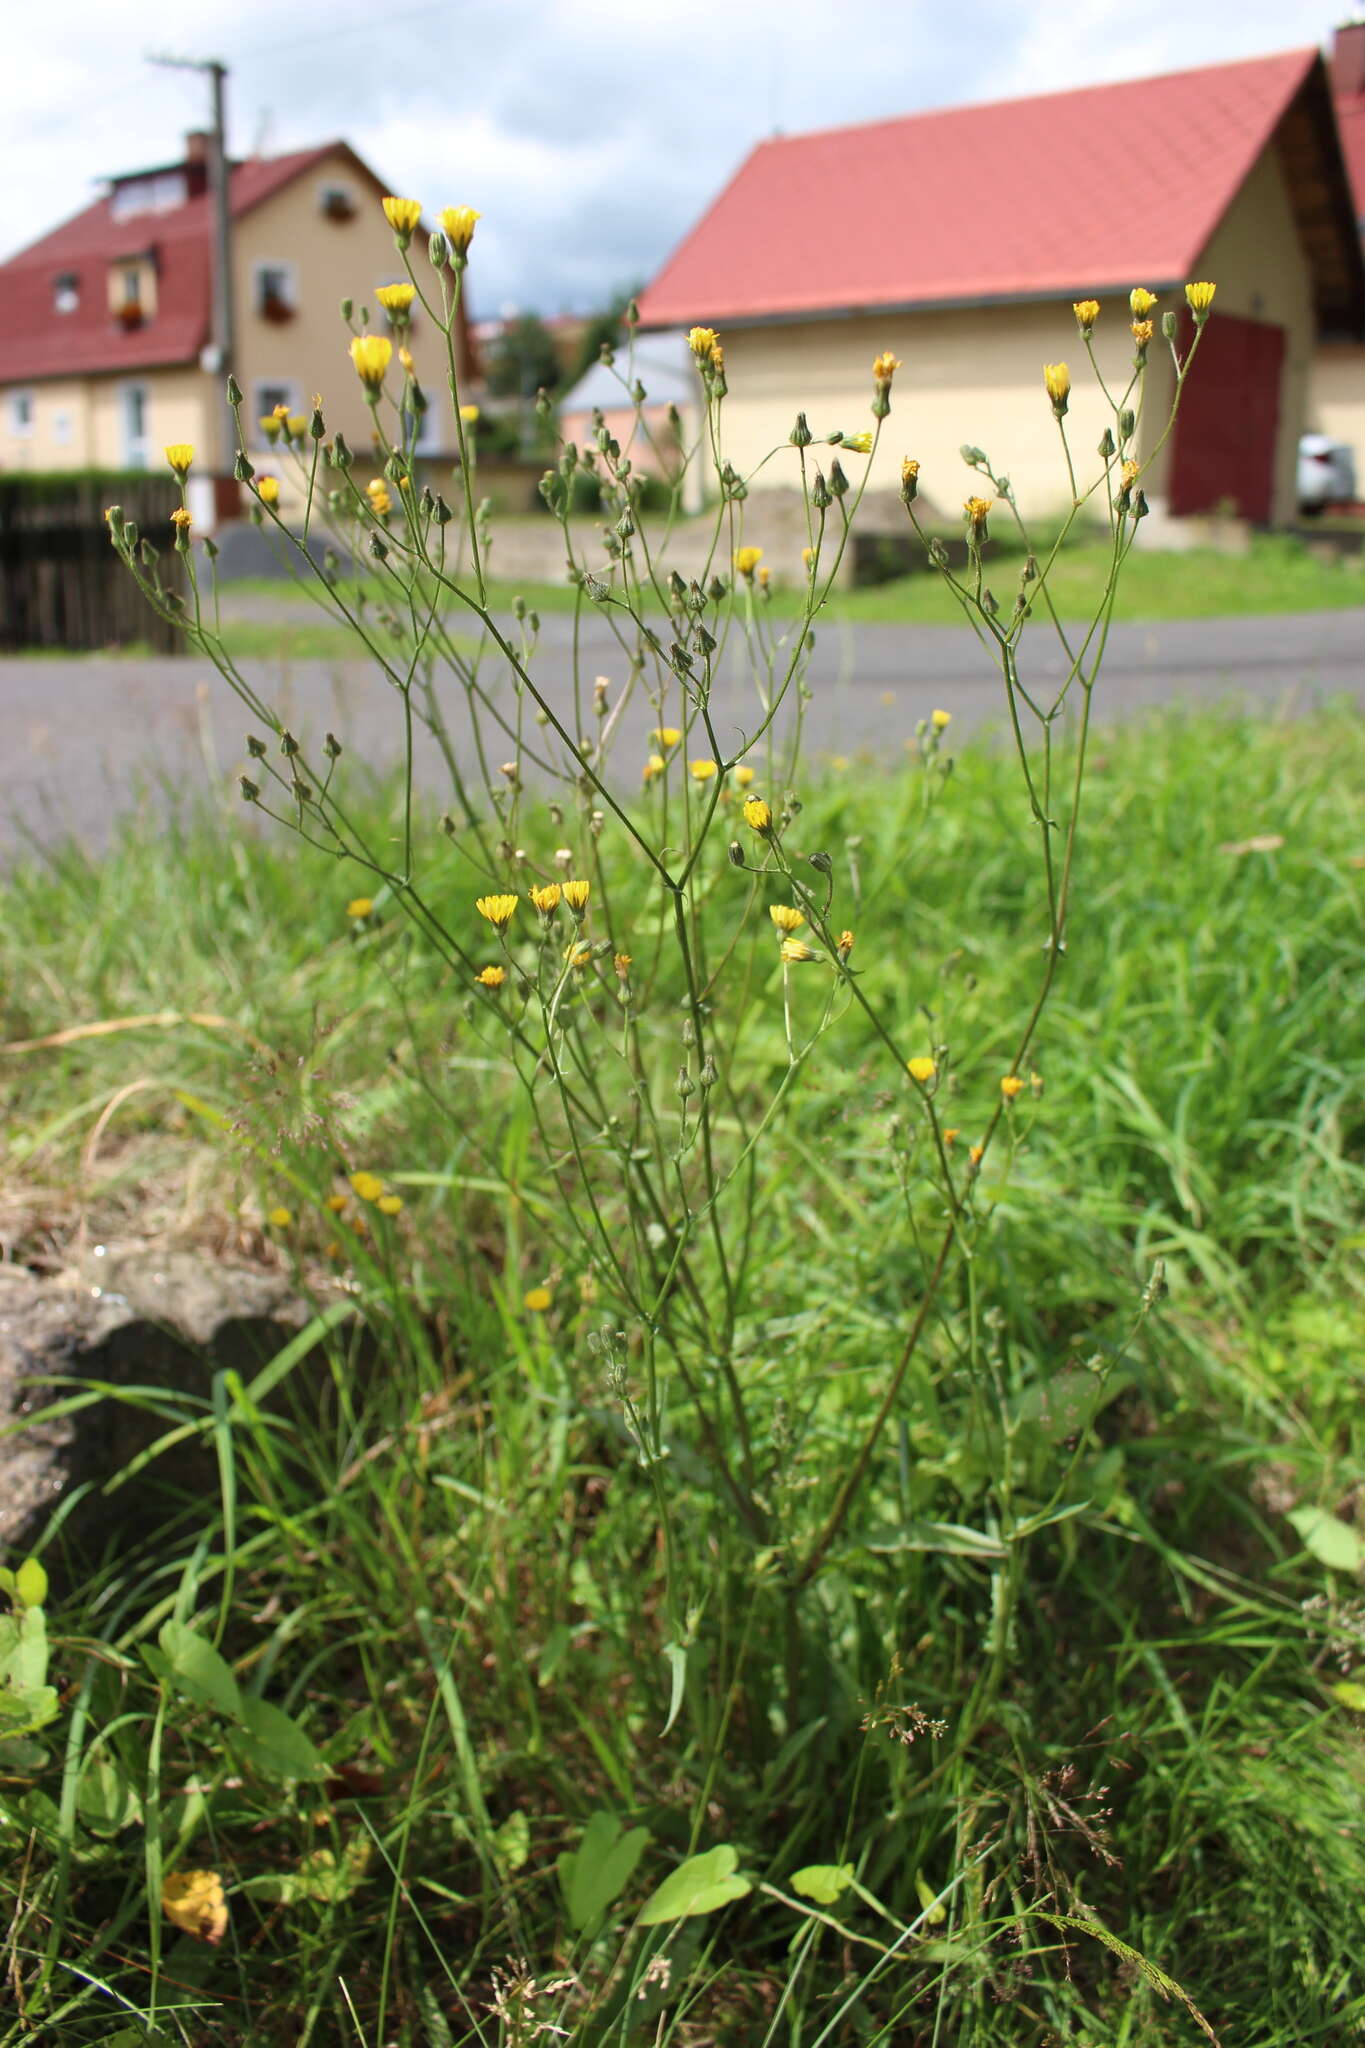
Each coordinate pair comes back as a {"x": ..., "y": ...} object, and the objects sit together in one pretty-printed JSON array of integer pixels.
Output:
[
  {"x": 1348, "y": 60},
  {"x": 197, "y": 146}
]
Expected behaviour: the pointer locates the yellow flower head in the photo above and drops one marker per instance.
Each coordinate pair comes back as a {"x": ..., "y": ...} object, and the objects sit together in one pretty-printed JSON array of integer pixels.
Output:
[
  {"x": 368, "y": 1186},
  {"x": 797, "y": 950},
  {"x": 499, "y": 910},
  {"x": 808, "y": 557},
  {"x": 951, "y": 1134},
  {"x": 666, "y": 735},
  {"x": 653, "y": 766},
  {"x": 978, "y": 511},
  {"x": 764, "y": 578},
  {"x": 491, "y": 977},
  {"x": 1057, "y": 384},
  {"x": 786, "y": 916},
  {"x": 268, "y": 490},
  {"x": 578, "y": 956},
  {"x": 845, "y": 944},
  {"x": 458, "y": 223},
  {"x": 395, "y": 298},
  {"x": 757, "y": 815},
  {"x": 336, "y": 1203},
  {"x": 371, "y": 354},
  {"x": 702, "y": 771},
  {"x": 921, "y": 1069},
  {"x": 702, "y": 342},
  {"x": 621, "y": 962},
  {"x": 1129, "y": 475},
  {"x": 360, "y": 906},
  {"x": 390, "y": 1205},
  {"x": 1087, "y": 312},
  {"x": 403, "y": 216},
  {"x": 1141, "y": 331},
  {"x": 406, "y": 360},
  {"x": 859, "y": 444},
  {"x": 576, "y": 895},
  {"x": 270, "y": 427},
  {"x": 296, "y": 425},
  {"x": 180, "y": 455},
  {"x": 940, "y": 720},
  {"x": 1199, "y": 297},
  {"x": 537, "y": 1300},
  {"x": 469, "y": 414},
  {"x": 885, "y": 366},
  {"x": 1010, "y": 1086},
  {"x": 280, "y": 1219},
  {"x": 181, "y": 519},
  {"x": 1141, "y": 301},
  {"x": 747, "y": 560},
  {"x": 909, "y": 479},
  {"x": 976, "y": 1153},
  {"x": 744, "y": 775},
  {"x": 381, "y": 504},
  {"x": 545, "y": 897}
]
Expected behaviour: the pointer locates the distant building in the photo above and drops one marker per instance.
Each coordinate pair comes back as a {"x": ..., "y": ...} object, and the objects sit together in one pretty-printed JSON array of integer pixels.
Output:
[
  {"x": 1337, "y": 400},
  {"x": 105, "y": 342},
  {"x": 959, "y": 240},
  {"x": 666, "y": 369}
]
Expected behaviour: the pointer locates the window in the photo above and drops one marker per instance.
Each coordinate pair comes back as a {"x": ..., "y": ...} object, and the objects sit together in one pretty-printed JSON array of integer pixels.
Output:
[
  {"x": 133, "y": 414},
  {"x": 21, "y": 412},
  {"x": 275, "y": 293},
  {"x": 61, "y": 429},
  {"x": 266, "y": 397},
  {"x": 337, "y": 202},
  {"x": 159, "y": 193},
  {"x": 131, "y": 288},
  {"x": 66, "y": 292}
]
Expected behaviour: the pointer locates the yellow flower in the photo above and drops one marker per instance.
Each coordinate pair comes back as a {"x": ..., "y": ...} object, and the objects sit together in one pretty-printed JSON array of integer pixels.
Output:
[
  {"x": 395, "y": 298},
  {"x": 180, "y": 455},
  {"x": 381, "y": 504},
  {"x": 621, "y": 962},
  {"x": 336, "y": 1203},
  {"x": 545, "y": 898},
  {"x": 845, "y": 946},
  {"x": 578, "y": 956},
  {"x": 469, "y": 414},
  {"x": 296, "y": 426},
  {"x": 270, "y": 427},
  {"x": 744, "y": 775},
  {"x": 747, "y": 560},
  {"x": 405, "y": 358},
  {"x": 1199, "y": 297},
  {"x": 1129, "y": 475},
  {"x": 808, "y": 557},
  {"x": 1141, "y": 301},
  {"x": 1087, "y": 312},
  {"x": 940, "y": 720},
  {"x": 491, "y": 977},
  {"x": 360, "y": 906},
  {"x": 458, "y": 223},
  {"x": 1057, "y": 384},
  {"x": 193, "y": 1901},
  {"x": 885, "y": 366},
  {"x": 403, "y": 216},
  {"x": 499, "y": 910},
  {"x": 537, "y": 1299},
  {"x": 702, "y": 342},
  {"x": 368, "y": 1186},
  {"x": 860, "y": 444},
  {"x": 371, "y": 354},
  {"x": 653, "y": 766},
  {"x": 950, "y": 1134},
  {"x": 978, "y": 511},
  {"x": 757, "y": 816},
  {"x": 390, "y": 1205},
  {"x": 666, "y": 735},
  {"x": 909, "y": 479},
  {"x": 1141, "y": 331},
  {"x": 786, "y": 916},
  {"x": 921, "y": 1069},
  {"x": 280, "y": 1219},
  {"x": 268, "y": 490},
  {"x": 764, "y": 578},
  {"x": 976, "y": 1153},
  {"x": 576, "y": 895},
  {"x": 702, "y": 771},
  {"x": 1010, "y": 1086},
  {"x": 798, "y": 950},
  {"x": 181, "y": 519}
]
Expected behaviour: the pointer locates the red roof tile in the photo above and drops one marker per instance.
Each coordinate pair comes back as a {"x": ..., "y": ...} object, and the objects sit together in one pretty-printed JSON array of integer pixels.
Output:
[
  {"x": 1070, "y": 192},
  {"x": 35, "y": 342}
]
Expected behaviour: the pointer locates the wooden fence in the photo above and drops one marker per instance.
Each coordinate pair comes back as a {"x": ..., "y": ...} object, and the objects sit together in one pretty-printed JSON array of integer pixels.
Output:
[{"x": 61, "y": 583}]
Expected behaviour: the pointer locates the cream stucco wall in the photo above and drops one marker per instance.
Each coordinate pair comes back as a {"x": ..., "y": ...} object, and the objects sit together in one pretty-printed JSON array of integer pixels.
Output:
[
  {"x": 328, "y": 261},
  {"x": 1336, "y": 402},
  {"x": 81, "y": 422}
]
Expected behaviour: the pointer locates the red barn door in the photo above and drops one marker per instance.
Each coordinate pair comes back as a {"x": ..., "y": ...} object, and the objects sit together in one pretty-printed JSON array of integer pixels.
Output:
[{"x": 1223, "y": 448}]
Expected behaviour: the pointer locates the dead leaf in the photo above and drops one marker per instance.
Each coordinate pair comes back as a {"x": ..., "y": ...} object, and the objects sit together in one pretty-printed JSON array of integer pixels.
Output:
[
  {"x": 193, "y": 1901},
  {"x": 1264, "y": 842}
]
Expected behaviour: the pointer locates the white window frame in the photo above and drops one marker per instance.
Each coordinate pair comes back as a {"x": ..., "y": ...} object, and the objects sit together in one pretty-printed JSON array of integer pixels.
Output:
[
  {"x": 280, "y": 267},
  {"x": 66, "y": 292},
  {"x": 136, "y": 449},
  {"x": 21, "y": 414}
]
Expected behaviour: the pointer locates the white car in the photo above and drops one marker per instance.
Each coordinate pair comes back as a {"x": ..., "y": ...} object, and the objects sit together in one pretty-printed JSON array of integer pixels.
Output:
[{"x": 1327, "y": 473}]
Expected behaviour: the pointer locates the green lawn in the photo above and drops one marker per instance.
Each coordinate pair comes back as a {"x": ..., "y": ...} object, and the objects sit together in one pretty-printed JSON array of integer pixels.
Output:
[{"x": 438, "y": 1552}]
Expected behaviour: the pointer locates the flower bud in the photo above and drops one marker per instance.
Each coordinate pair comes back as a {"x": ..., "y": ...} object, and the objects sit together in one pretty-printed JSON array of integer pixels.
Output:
[
  {"x": 819, "y": 496},
  {"x": 255, "y": 747},
  {"x": 735, "y": 854},
  {"x": 242, "y": 469},
  {"x": 821, "y": 862},
  {"x": 838, "y": 482},
  {"x": 250, "y": 792},
  {"x": 685, "y": 1084},
  {"x": 234, "y": 391},
  {"x": 1168, "y": 326},
  {"x": 801, "y": 436},
  {"x": 909, "y": 480},
  {"x": 438, "y": 250}
]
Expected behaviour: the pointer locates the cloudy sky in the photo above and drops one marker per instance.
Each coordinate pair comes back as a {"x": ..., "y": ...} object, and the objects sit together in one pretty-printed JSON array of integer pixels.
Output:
[{"x": 591, "y": 133}]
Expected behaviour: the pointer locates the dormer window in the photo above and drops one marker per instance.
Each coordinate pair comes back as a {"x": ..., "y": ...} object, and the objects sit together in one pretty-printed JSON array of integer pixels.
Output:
[
  {"x": 337, "y": 202},
  {"x": 155, "y": 192},
  {"x": 66, "y": 292},
  {"x": 275, "y": 292},
  {"x": 132, "y": 290}
]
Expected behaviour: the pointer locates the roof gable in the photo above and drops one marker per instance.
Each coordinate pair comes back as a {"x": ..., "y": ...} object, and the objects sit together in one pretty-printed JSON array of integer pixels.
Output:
[{"x": 1036, "y": 198}]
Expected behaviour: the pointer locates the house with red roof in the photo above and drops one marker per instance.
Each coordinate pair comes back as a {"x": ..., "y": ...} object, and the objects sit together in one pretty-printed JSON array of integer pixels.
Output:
[
  {"x": 1337, "y": 399},
  {"x": 105, "y": 347},
  {"x": 960, "y": 239}
]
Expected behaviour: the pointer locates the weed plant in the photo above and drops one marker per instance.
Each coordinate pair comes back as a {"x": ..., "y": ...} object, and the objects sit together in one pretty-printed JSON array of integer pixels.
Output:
[{"x": 765, "y": 1561}]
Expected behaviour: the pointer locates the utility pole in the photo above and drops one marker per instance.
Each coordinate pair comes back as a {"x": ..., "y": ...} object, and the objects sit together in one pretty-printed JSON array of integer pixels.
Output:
[{"x": 220, "y": 356}]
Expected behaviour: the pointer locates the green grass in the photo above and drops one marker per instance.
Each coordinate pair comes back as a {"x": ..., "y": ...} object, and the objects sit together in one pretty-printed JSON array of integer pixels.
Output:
[{"x": 439, "y": 1554}]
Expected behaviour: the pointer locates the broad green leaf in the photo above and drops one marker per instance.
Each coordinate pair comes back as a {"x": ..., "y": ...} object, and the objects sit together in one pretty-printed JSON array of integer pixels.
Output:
[
  {"x": 274, "y": 1744},
  {"x": 321, "y": 1876},
  {"x": 1332, "y": 1542},
  {"x": 594, "y": 1875},
  {"x": 23, "y": 1649},
  {"x": 822, "y": 1882},
  {"x": 105, "y": 1800},
  {"x": 26, "y": 1708},
  {"x": 512, "y": 1842},
  {"x": 1349, "y": 1694},
  {"x": 197, "y": 1670},
  {"x": 30, "y": 1583},
  {"x": 701, "y": 1885}
]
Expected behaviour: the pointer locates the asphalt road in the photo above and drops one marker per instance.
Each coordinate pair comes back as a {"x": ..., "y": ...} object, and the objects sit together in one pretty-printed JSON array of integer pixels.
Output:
[{"x": 85, "y": 739}]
